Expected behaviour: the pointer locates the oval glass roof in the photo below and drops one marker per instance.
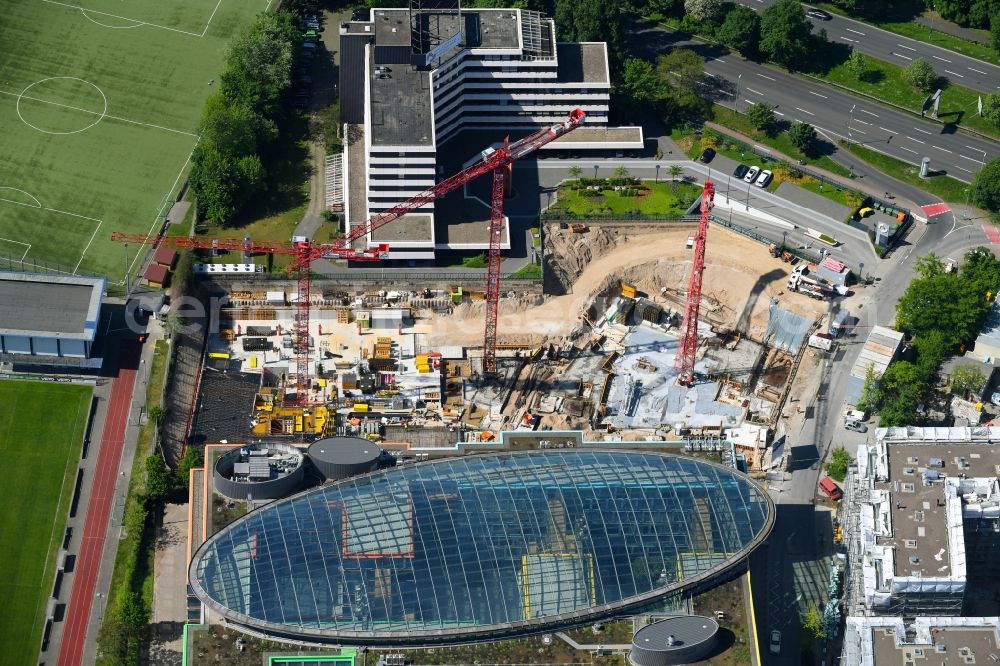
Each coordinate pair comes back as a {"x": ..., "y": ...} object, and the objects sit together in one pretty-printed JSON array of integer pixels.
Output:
[{"x": 480, "y": 545}]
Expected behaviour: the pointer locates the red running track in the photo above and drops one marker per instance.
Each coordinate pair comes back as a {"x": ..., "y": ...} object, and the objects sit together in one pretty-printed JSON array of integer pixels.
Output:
[{"x": 102, "y": 494}]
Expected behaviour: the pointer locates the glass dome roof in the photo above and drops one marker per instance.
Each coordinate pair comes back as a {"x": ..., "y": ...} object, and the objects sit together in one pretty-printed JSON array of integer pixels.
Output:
[{"x": 481, "y": 546}]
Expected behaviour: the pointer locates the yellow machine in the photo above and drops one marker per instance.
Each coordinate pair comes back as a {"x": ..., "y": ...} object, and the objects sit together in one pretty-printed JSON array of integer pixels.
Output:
[{"x": 271, "y": 418}]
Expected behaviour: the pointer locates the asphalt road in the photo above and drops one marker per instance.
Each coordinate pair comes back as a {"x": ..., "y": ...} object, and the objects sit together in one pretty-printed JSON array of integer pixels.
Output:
[
  {"x": 884, "y": 45},
  {"x": 738, "y": 83}
]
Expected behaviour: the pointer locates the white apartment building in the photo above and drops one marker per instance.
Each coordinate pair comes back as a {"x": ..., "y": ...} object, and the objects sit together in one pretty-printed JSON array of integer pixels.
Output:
[{"x": 413, "y": 79}]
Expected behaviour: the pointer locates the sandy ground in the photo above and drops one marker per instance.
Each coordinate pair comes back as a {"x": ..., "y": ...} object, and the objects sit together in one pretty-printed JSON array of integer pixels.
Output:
[{"x": 739, "y": 279}]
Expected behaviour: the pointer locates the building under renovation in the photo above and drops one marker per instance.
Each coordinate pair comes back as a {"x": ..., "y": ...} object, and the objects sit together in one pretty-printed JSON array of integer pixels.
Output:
[
  {"x": 923, "y": 519},
  {"x": 412, "y": 79}
]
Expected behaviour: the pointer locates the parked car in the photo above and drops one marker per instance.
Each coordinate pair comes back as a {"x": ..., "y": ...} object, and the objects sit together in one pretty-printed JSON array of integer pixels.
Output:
[
  {"x": 775, "y": 646},
  {"x": 818, "y": 14},
  {"x": 707, "y": 155},
  {"x": 764, "y": 178},
  {"x": 741, "y": 170},
  {"x": 751, "y": 175},
  {"x": 830, "y": 489},
  {"x": 856, "y": 426}
]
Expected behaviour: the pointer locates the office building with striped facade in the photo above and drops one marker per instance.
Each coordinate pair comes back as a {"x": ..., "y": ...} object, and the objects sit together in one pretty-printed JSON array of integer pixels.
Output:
[{"x": 412, "y": 80}]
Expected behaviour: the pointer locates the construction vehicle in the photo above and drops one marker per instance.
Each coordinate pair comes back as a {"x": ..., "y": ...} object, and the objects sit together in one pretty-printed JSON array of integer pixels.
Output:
[{"x": 496, "y": 160}]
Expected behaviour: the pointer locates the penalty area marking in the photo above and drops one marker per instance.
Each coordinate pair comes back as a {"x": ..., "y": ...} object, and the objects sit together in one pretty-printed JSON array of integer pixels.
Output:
[
  {"x": 138, "y": 24},
  {"x": 126, "y": 18},
  {"x": 100, "y": 116},
  {"x": 27, "y": 247},
  {"x": 39, "y": 206}
]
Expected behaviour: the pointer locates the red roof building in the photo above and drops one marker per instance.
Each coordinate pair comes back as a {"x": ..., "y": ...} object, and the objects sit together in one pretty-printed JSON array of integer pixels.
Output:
[
  {"x": 156, "y": 275},
  {"x": 164, "y": 256}
]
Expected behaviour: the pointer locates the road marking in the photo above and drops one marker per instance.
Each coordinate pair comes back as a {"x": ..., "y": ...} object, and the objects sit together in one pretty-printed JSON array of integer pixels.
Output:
[
  {"x": 754, "y": 91},
  {"x": 855, "y": 129},
  {"x": 908, "y": 48},
  {"x": 908, "y": 150},
  {"x": 749, "y": 101},
  {"x": 858, "y": 120},
  {"x": 978, "y": 71},
  {"x": 900, "y": 55},
  {"x": 855, "y": 32},
  {"x": 818, "y": 95},
  {"x": 912, "y": 139},
  {"x": 970, "y": 159},
  {"x": 765, "y": 77},
  {"x": 963, "y": 169},
  {"x": 940, "y": 58},
  {"x": 971, "y": 148},
  {"x": 868, "y": 112},
  {"x": 920, "y": 130},
  {"x": 944, "y": 150},
  {"x": 778, "y": 113},
  {"x": 886, "y": 129},
  {"x": 804, "y": 111},
  {"x": 948, "y": 71},
  {"x": 720, "y": 60},
  {"x": 848, "y": 39}
]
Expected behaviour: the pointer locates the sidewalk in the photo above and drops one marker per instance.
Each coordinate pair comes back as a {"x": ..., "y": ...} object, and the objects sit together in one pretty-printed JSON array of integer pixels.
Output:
[{"x": 936, "y": 22}]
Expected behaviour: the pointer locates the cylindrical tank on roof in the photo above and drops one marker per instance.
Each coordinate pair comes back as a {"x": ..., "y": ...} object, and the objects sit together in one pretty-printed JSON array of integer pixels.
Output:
[
  {"x": 681, "y": 639},
  {"x": 340, "y": 457},
  {"x": 259, "y": 472}
]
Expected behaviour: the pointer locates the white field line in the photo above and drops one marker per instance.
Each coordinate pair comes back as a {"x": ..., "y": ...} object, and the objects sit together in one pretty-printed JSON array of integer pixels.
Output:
[
  {"x": 61, "y": 212},
  {"x": 212, "y": 16},
  {"x": 27, "y": 245},
  {"x": 84, "y": 253},
  {"x": 95, "y": 113},
  {"x": 123, "y": 18}
]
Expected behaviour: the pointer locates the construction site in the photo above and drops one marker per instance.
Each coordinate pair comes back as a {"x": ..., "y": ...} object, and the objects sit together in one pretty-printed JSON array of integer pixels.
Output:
[{"x": 601, "y": 349}]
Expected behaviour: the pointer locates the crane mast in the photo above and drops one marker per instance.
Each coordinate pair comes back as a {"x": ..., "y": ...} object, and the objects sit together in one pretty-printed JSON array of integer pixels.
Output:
[
  {"x": 304, "y": 252},
  {"x": 688, "y": 342}
]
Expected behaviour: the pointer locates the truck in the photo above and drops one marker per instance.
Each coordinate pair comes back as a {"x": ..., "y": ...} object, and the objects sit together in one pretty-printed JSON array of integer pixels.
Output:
[{"x": 821, "y": 341}]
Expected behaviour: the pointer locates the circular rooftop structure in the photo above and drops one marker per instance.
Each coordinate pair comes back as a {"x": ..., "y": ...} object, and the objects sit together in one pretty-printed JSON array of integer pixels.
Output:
[
  {"x": 481, "y": 547},
  {"x": 338, "y": 458},
  {"x": 260, "y": 472},
  {"x": 682, "y": 639}
]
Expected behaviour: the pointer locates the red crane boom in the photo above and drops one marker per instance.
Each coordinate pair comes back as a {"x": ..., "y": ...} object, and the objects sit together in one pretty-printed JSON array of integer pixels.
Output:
[
  {"x": 688, "y": 343},
  {"x": 305, "y": 252}
]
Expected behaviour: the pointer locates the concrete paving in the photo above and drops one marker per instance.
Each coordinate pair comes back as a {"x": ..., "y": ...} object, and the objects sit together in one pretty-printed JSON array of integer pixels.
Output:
[{"x": 170, "y": 585}]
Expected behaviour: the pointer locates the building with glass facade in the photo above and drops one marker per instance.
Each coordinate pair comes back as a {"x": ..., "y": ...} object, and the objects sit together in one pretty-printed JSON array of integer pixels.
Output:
[{"x": 481, "y": 547}]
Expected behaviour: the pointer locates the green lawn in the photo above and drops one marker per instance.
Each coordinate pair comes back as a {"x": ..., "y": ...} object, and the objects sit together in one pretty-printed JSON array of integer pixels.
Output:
[
  {"x": 98, "y": 113},
  {"x": 941, "y": 185},
  {"x": 663, "y": 198},
  {"x": 528, "y": 271},
  {"x": 922, "y": 33},
  {"x": 885, "y": 81},
  {"x": 41, "y": 434}
]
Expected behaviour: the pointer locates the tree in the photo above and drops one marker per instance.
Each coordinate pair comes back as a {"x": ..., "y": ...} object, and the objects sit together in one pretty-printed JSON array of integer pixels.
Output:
[
  {"x": 857, "y": 64},
  {"x": 867, "y": 402},
  {"x": 985, "y": 191},
  {"x": 762, "y": 117},
  {"x": 157, "y": 478},
  {"x": 991, "y": 104},
  {"x": 191, "y": 459},
  {"x": 132, "y": 612},
  {"x": 621, "y": 174},
  {"x": 920, "y": 75},
  {"x": 703, "y": 10},
  {"x": 682, "y": 70},
  {"x": 594, "y": 21},
  {"x": 173, "y": 324},
  {"x": 575, "y": 172},
  {"x": 943, "y": 303},
  {"x": 675, "y": 171},
  {"x": 156, "y": 415},
  {"x": 840, "y": 459},
  {"x": 968, "y": 13},
  {"x": 995, "y": 32},
  {"x": 929, "y": 265},
  {"x": 259, "y": 63},
  {"x": 741, "y": 30},
  {"x": 966, "y": 379},
  {"x": 812, "y": 622},
  {"x": 641, "y": 85},
  {"x": 785, "y": 34},
  {"x": 803, "y": 136}
]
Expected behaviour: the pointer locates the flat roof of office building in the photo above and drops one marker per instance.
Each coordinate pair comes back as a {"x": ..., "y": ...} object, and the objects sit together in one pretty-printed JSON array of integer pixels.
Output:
[
  {"x": 64, "y": 306},
  {"x": 585, "y": 62},
  {"x": 483, "y": 28},
  {"x": 401, "y": 113},
  {"x": 941, "y": 641}
]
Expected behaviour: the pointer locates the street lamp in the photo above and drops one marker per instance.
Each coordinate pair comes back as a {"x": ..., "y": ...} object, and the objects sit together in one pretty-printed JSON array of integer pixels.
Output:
[
  {"x": 748, "y": 195},
  {"x": 595, "y": 172},
  {"x": 850, "y": 123},
  {"x": 657, "y": 174},
  {"x": 736, "y": 102}
]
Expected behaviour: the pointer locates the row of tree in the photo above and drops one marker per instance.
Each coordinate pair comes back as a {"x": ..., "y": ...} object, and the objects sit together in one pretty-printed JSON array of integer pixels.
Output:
[
  {"x": 240, "y": 123},
  {"x": 940, "y": 311}
]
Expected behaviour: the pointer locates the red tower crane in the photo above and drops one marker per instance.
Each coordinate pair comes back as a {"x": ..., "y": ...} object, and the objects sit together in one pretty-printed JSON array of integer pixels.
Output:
[
  {"x": 497, "y": 160},
  {"x": 688, "y": 343}
]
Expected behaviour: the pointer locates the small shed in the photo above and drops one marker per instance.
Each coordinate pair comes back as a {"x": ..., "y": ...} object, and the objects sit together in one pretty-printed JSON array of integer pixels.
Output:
[
  {"x": 156, "y": 275},
  {"x": 164, "y": 256}
]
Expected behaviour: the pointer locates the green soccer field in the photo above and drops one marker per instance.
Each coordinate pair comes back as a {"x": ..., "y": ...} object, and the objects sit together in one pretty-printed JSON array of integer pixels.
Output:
[
  {"x": 99, "y": 105},
  {"x": 41, "y": 434}
]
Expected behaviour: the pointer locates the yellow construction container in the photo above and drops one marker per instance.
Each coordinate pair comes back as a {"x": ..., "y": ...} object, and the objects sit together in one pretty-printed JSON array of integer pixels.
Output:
[
  {"x": 253, "y": 362},
  {"x": 298, "y": 423},
  {"x": 360, "y": 407},
  {"x": 628, "y": 290},
  {"x": 322, "y": 382},
  {"x": 223, "y": 355},
  {"x": 421, "y": 359},
  {"x": 423, "y": 368}
]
